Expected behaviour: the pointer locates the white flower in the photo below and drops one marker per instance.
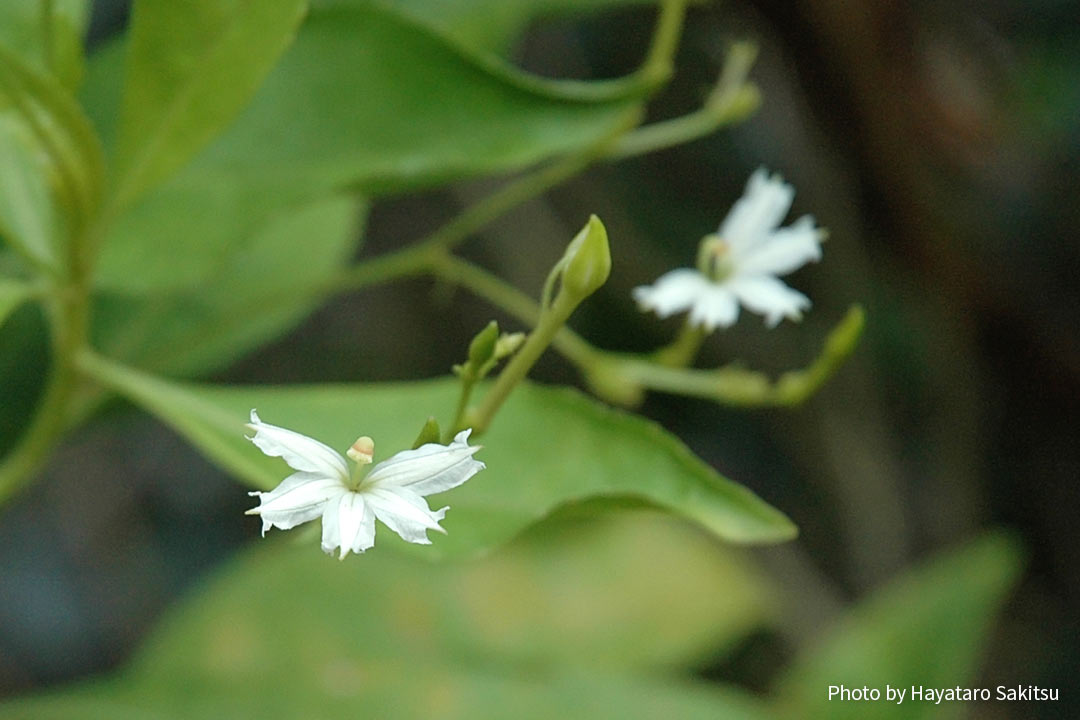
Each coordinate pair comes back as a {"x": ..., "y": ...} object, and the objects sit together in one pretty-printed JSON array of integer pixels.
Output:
[
  {"x": 741, "y": 263},
  {"x": 348, "y": 503}
]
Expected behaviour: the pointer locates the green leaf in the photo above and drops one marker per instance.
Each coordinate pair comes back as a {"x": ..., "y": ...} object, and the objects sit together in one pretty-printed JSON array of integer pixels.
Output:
[
  {"x": 24, "y": 360},
  {"x": 250, "y": 298},
  {"x": 548, "y": 448},
  {"x": 494, "y": 25},
  {"x": 61, "y": 134},
  {"x": 13, "y": 293},
  {"x": 339, "y": 688},
  {"x": 546, "y": 628},
  {"x": 926, "y": 629},
  {"x": 190, "y": 68},
  {"x": 367, "y": 97},
  {"x": 364, "y": 99},
  {"x": 573, "y": 596},
  {"x": 47, "y": 35},
  {"x": 29, "y": 218},
  {"x": 576, "y": 591}
]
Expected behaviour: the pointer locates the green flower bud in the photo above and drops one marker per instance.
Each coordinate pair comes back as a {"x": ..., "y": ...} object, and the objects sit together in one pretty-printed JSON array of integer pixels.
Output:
[
  {"x": 428, "y": 434},
  {"x": 482, "y": 347},
  {"x": 587, "y": 262},
  {"x": 508, "y": 344}
]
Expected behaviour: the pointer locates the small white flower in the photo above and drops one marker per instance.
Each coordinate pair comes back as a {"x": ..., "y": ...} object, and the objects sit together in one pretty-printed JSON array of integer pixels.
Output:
[
  {"x": 348, "y": 503},
  {"x": 741, "y": 263}
]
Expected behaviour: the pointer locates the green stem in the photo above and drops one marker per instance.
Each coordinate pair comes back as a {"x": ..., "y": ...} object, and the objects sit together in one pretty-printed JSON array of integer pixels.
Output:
[
  {"x": 739, "y": 387},
  {"x": 731, "y": 100},
  {"x": 515, "y": 371},
  {"x": 528, "y": 186},
  {"x": 628, "y": 373},
  {"x": 70, "y": 319},
  {"x": 505, "y": 296},
  {"x": 660, "y": 62},
  {"x": 682, "y": 351},
  {"x": 460, "y": 411}
]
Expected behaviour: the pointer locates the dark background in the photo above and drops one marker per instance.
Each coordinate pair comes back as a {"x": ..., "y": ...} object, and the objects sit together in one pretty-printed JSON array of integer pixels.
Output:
[{"x": 940, "y": 145}]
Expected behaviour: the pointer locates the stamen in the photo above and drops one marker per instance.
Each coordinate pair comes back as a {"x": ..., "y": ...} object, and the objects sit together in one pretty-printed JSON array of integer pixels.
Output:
[
  {"x": 714, "y": 261},
  {"x": 362, "y": 451}
]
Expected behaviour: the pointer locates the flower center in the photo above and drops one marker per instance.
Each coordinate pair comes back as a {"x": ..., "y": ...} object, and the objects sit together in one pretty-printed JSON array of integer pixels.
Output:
[
  {"x": 714, "y": 258},
  {"x": 362, "y": 453}
]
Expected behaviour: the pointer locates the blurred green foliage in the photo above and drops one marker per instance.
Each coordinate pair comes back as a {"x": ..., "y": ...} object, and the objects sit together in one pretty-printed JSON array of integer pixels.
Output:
[{"x": 244, "y": 142}]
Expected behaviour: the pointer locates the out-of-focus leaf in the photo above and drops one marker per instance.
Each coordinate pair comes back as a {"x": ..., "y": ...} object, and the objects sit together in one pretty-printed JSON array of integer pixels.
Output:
[
  {"x": 926, "y": 629},
  {"x": 335, "y": 687},
  {"x": 13, "y": 293},
  {"x": 576, "y": 596},
  {"x": 202, "y": 330},
  {"x": 47, "y": 35},
  {"x": 191, "y": 67},
  {"x": 493, "y": 25},
  {"x": 24, "y": 359},
  {"x": 61, "y": 134},
  {"x": 578, "y": 591},
  {"x": 365, "y": 99},
  {"x": 29, "y": 218},
  {"x": 548, "y": 448},
  {"x": 288, "y": 632}
]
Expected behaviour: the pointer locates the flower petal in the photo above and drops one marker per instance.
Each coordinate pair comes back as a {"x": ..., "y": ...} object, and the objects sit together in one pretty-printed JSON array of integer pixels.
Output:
[
  {"x": 298, "y": 499},
  {"x": 428, "y": 469},
  {"x": 783, "y": 251},
  {"x": 672, "y": 292},
  {"x": 759, "y": 211},
  {"x": 299, "y": 451},
  {"x": 770, "y": 297},
  {"x": 405, "y": 512},
  {"x": 715, "y": 306},
  {"x": 348, "y": 523}
]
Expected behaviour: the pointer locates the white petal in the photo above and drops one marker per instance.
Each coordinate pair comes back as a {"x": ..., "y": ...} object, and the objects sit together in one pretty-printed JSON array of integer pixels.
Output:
[
  {"x": 348, "y": 523},
  {"x": 769, "y": 297},
  {"x": 715, "y": 307},
  {"x": 672, "y": 292},
  {"x": 759, "y": 211},
  {"x": 783, "y": 251},
  {"x": 299, "y": 451},
  {"x": 405, "y": 512},
  {"x": 298, "y": 499},
  {"x": 430, "y": 468}
]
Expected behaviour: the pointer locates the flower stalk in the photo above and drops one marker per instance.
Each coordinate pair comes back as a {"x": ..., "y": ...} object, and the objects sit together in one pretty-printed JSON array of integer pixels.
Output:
[{"x": 584, "y": 268}]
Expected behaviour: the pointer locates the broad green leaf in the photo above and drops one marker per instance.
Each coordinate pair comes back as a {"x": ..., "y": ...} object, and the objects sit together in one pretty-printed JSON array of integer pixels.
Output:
[
  {"x": 926, "y": 629},
  {"x": 369, "y": 97},
  {"x": 575, "y": 595},
  {"x": 548, "y": 448},
  {"x": 13, "y": 293},
  {"x": 47, "y": 35},
  {"x": 364, "y": 99},
  {"x": 494, "y": 25},
  {"x": 61, "y": 134},
  {"x": 532, "y": 632},
  {"x": 190, "y": 68},
  {"x": 578, "y": 589},
  {"x": 29, "y": 218},
  {"x": 247, "y": 300}
]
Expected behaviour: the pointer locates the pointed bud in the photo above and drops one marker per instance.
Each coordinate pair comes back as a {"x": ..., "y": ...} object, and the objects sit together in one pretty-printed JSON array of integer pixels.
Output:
[
  {"x": 587, "y": 261},
  {"x": 482, "y": 347},
  {"x": 428, "y": 434},
  {"x": 362, "y": 451},
  {"x": 508, "y": 344}
]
